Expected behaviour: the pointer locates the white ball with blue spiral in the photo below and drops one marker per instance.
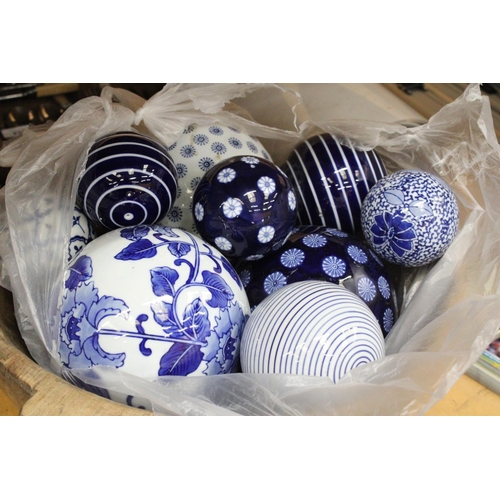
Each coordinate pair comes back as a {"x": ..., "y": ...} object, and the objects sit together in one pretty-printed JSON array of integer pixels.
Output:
[{"x": 312, "y": 328}]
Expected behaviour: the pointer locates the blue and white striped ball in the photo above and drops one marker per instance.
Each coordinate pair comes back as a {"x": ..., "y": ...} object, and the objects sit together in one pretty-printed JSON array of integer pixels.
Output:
[
  {"x": 410, "y": 218},
  {"x": 312, "y": 328},
  {"x": 331, "y": 180},
  {"x": 129, "y": 179}
]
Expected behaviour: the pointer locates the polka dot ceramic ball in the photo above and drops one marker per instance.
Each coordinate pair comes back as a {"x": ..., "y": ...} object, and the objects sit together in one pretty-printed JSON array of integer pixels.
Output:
[
  {"x": 331, "y": 180},
  {"x": 326, "y": 254},
  {"x": 197, "y": 150},
  {"x": 312, "y": 328},
  {"x": 245, "y": 206},
  {"x": 410, "y": 218},
  {"x": 129, "y": 179}
]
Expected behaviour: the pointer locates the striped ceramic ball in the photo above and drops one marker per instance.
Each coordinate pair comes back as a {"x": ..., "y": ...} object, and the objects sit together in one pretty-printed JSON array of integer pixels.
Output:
[
  {"x": 129, "y": 179},
  {"x": 313, "y": 328},
  {"x": 331, "y": 180}
]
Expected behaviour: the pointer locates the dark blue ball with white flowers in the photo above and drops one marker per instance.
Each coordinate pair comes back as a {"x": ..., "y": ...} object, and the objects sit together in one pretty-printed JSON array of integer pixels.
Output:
[{"x": 245, "y": 206}]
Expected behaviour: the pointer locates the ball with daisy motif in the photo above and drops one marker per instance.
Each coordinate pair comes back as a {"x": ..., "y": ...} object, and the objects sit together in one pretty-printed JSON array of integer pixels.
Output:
[
  {"x": 245, "y": 206},
  {"x": 197, "y": 150},
  {"x": 325, "y": 254}
]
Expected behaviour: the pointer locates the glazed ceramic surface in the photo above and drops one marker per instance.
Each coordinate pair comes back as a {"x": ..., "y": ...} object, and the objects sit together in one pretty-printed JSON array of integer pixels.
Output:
[
  {"x": 321, "y": 253},
  {"x": 311, "y": 328},
  {"x": 152, "y": 301},
  {"x": 129, "y": 179},
  {"x": 198, "y": 149},
  {"x": 245, "y": 206},
  {"x": 410, "y": 218},
  {"x": 82, "y": 232},
  {"x": 331, "y": 181}
]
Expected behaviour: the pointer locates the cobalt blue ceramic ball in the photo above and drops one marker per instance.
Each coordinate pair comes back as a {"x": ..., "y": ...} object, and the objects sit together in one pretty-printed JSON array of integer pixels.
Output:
[
  {"x": 325, "y": 254},
  {"x": 245, "y": 206},
  {"x": 410, "y": 218},
  {"x": 331, "y": 181},
  {"x": 129, "y": 179}
]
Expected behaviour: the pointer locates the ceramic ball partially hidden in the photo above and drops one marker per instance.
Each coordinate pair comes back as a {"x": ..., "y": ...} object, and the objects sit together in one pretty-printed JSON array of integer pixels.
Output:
[
  {"x": 152, "y": 301},
  {"x": 331, "y": 180},
  {"x": 129, "y": 179},
  {"x": 245, "y": 206},
  {"x": 197, "y": 150},
  {"x": 312, "y": 328},
  {"x": 82, "y": 232},
  {"x": 410, "y": 218},
  {"x": 326, "y": 254}
]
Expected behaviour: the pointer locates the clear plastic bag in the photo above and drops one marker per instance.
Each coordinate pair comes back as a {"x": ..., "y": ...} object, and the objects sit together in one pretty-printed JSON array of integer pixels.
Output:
[{"x": 450, "y": 310}]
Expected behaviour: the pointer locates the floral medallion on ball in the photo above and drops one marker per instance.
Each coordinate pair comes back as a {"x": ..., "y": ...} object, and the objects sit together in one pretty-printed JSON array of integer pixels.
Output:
[
  {"x": 410, "y": 218},
  {"x": 245, "y": 206},
  {"x": 327, "y": 254},
  {"x": 152, "y": 301}
]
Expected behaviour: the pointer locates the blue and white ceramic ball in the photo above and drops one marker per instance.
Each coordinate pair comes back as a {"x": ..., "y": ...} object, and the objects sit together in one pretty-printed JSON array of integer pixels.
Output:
[
  {"x": 314, "y": 328},
  {"x": 410, "y": 218},
  {"x": 198, "y": 149},
  {"x": 245, "y": 206},
  {"x": 82, "y": 232},
  {"x": 129, "y": 179},
  {"x": 152, "y": 301},
  {"x": 326, "y": 254},
  {"x": 331, "y": 180}
]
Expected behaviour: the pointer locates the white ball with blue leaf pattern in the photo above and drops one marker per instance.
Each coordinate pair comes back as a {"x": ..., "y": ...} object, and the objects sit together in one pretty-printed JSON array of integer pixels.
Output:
[{"x": 152, "y": 301}]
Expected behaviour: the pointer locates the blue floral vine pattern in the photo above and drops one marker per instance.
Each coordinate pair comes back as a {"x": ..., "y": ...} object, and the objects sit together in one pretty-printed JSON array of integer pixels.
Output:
[{"x": 194, "y": 339}]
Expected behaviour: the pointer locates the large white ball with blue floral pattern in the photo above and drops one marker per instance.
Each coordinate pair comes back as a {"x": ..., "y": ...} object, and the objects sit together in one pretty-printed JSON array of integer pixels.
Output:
[
  {"x": 410, "y": 218},
  {"x": 245, "y": 206},
  {"x": 152, "y": 301},
  {"x": 197, "y": 150}
]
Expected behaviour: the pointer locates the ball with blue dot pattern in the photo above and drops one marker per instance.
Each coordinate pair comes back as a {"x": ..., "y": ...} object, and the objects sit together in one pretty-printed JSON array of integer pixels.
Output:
[
  {"x": 197, "y": 150},
  {"x": 327, "y": 254},
  {"x": 245, "y": 206},
  {"x": 410, "y": 218}
]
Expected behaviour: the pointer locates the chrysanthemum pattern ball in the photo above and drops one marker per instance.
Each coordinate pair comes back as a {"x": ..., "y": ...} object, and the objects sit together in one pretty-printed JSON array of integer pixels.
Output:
[
  {"x": 332, "y": 180},
  {"x": 245, "y": 206},
  {"x": 312, "y": 328},
  {"x": 410, "y": 218},
  {"x": 129, "y": 179},
  {"x": 152, "y": 301},
  {"x": 322, "y": 253},
  {"x": 197, "y": 150}
]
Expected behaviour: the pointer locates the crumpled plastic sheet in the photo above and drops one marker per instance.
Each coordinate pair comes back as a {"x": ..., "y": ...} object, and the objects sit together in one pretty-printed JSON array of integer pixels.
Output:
[{"x": 449, "y": 310}]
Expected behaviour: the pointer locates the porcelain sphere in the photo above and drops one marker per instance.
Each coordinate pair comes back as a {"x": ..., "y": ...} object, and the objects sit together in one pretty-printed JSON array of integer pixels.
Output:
[
  {"x": 410, "y": 218},
  {"x": 245, "y": 206},
  {"x": 331, "y": 181},
  {"x": 196, "y": 151},
  {"x": 82, "y": 232},
  {"x": 152, "y": 301},
  {"x": 327, "y": 254},
  {"x": 313, "y": 328},
  {"x": 129, "y": 179}
]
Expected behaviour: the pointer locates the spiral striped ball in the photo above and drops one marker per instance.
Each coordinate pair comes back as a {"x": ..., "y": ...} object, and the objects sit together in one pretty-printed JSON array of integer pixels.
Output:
[
  {"x": 311, "y": 328},
  {"x": 331, "y": 180},
  {"x": 129, "y": 179}
]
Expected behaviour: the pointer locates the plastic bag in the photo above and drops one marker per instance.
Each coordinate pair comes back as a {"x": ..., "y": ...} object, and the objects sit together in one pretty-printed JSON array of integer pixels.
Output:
[{"x": 450, "y": 310}]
